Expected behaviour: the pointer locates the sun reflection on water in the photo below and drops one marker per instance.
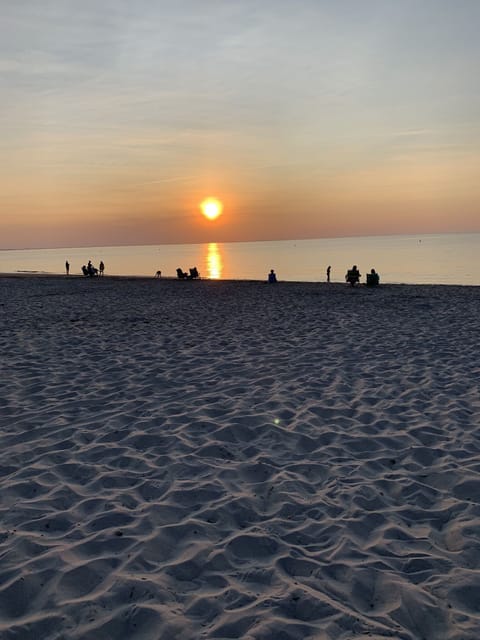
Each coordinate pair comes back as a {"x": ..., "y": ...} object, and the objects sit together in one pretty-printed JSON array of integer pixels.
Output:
[{"x": 214, "y": 261}]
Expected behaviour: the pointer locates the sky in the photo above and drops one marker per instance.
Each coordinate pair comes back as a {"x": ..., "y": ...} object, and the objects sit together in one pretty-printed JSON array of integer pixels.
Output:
[{"x": 305, "y": 118}]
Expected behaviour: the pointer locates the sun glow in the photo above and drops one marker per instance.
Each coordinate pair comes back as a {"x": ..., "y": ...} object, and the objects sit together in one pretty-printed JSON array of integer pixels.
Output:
[
  {"x": 214, "y": 261},
  {"x": 211, "y": 208}
]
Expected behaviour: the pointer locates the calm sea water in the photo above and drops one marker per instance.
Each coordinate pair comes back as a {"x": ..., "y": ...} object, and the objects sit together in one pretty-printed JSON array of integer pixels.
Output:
[{"x": 421, "y": 259}]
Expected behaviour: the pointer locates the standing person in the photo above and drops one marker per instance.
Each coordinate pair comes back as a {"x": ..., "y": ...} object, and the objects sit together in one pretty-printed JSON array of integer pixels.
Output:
[
  {"x": 67, "y": 267},
  {"x": 329, "y": 268},
  {"x": 101, "y": 267}
]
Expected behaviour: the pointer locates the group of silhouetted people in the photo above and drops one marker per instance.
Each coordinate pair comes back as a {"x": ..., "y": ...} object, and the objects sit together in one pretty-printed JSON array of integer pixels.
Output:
[
  {"x": 88, "y": 269},
  {"x": 191, "y": 275},
  {"x": 353, "y": 277}
]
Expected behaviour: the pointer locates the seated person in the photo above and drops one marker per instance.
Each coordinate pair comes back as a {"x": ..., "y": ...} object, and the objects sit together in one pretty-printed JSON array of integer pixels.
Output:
[
  {"x": 353, "y": 275},
  {"x": 181, "y": 274},
  {"x": 194, "y": 273},
  {"x": 272, "y": 277},
  {"x": 85, "y": 270},
  {"x": 92, "y": 271},
  {"x": 373, "y": 278}
]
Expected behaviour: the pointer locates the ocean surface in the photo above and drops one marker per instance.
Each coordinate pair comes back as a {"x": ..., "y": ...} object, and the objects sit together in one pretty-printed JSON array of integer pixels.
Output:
[{"x": 412, "y": 259}]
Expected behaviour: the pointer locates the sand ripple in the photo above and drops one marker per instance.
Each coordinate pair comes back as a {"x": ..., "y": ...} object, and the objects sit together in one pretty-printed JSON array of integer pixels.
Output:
[{"x": 188, "y": 460}]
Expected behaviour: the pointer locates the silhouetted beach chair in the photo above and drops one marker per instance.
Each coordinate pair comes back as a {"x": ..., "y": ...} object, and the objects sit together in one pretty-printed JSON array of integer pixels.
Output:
[
  {"x": 373, "y": 279},
  {"x": 89, "y": 271},
  {"x": 352, "y": 276},
  {"x": 181, "y": 274},
  {"x": 194, "y": 273}
]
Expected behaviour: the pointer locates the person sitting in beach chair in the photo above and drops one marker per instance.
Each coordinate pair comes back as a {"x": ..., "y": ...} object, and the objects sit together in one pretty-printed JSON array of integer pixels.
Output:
[
  {"x": 373, "y": 279},
  {"x": 89, "y": 270},
  {"x": 272, "y": 277},
  {"x": 353, "y": 275},
  {"x": 181, "y": 274},
  {"x": 194, "y": 273},
  {"x": 92, "y": 271}
]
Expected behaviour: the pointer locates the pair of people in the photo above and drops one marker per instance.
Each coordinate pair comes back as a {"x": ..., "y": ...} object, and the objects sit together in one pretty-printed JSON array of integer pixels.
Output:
[
  {"x": 183, "y": 275},
  {"x": 353, "y": 277}
]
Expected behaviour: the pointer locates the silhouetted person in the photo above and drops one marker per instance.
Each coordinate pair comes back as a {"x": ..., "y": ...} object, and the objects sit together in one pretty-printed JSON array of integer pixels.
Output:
[
  {"x": 272, "y": 276},
  {"x": 353, "y": 275},
  {"x": 158, "y": 274},
  {"x": 373, "y": 279},
  {"x": 67, "y": 267},
  {"x": 91, "y": 270},
  {"x": 85, "y": 270},
  {"x": 329, "y": 268},
  {"x": 101, "y": 267}
]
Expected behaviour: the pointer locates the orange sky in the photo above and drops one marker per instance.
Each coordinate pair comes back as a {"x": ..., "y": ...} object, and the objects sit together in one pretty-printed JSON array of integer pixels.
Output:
[{"x": 313, "y": 123}]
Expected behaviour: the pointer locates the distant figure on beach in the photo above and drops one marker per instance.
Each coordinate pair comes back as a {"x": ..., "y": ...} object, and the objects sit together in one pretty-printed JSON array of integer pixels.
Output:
[
  {"x": 158, "y": 274},
  {"x": 183, "y": 275},
  {"x": 91, "y": 270},
  {"x": 373, "y": 279},
  {"x": 329, "y": 268},
  {"x": 67, "y": 267},
  {"x": 353, "y": 275},
  {"x": 101, "y": 267},
  {"x": 272, "y": 277}
]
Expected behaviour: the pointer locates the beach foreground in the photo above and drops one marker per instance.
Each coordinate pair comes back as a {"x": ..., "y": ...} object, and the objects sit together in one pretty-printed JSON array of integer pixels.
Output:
[{"x": 189, "y": 460}]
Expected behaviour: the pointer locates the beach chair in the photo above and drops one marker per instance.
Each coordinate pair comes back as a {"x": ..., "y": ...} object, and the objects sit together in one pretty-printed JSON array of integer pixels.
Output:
[
  {"x": 181, "y": 274},
  {"x": 194, "y": 273},
  {"x": 352, "y": 276}
]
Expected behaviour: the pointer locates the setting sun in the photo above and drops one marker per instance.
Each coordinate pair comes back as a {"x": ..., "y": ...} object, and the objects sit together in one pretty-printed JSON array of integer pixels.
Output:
[{"x": 211, "y": 208}]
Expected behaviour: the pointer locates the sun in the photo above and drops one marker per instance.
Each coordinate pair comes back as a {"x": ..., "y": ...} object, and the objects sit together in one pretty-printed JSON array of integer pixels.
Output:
[{"x": 211, "y": 208}]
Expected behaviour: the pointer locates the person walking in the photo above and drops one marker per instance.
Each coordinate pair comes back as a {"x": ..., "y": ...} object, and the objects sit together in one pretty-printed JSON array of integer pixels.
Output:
[
  {"x": 67, "y": 267},
  {"x": 101, "y": 267},
  {"x": 329, "y": 268}
]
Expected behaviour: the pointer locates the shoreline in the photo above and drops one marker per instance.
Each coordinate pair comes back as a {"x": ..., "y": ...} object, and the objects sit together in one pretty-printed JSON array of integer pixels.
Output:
[
  {"x": 446, "y": 259},
  {"x": 113, "y": 277}
]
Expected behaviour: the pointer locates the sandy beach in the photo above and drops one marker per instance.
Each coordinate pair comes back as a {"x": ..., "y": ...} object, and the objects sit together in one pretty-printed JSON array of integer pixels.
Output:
[{"x": 202, "y": 459}]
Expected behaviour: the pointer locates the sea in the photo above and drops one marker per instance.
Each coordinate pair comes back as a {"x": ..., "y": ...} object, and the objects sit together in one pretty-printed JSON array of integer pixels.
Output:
[{"x": 399, "y": 259}]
